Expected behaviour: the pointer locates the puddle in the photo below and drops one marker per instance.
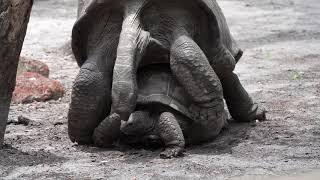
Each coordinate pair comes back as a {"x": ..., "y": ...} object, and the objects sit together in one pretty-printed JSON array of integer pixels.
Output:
[{"x": 310, "y": 175}]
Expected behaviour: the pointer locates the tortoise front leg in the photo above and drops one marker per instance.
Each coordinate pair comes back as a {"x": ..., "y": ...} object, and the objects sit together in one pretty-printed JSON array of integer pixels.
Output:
[
  {"x": 172, "y": 136},
  {"x": 107, "y": 132},
  {"x": 192, "y": 69},
  {"x": 240, "y": 105}
]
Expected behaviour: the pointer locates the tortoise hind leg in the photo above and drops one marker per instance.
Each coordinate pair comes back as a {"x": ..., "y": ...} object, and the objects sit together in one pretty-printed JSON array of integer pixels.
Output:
[
  {"x": 192, "y": 69},
  {"x": 171, "y": 134},
  {"x": 90, "y": 101}
]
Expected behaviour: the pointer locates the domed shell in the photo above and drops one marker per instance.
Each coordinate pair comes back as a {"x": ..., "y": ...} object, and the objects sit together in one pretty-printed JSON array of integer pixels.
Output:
[
  {"x": 91, "y": 11},
  {"x": 156, "y": 85}
]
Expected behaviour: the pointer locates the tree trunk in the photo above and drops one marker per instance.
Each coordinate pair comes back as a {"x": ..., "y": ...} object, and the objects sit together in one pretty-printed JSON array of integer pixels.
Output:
[{"x": 14, "y": 18}]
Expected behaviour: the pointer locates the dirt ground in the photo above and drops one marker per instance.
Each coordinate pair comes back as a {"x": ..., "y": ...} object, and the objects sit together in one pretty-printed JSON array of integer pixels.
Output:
[{"x": 280, "y": 69}]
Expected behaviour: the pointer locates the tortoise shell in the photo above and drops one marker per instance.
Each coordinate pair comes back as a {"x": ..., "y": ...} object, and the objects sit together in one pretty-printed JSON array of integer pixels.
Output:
[
  {"x": 93, "y": 12},
  {"x": 157, "y": 86}
]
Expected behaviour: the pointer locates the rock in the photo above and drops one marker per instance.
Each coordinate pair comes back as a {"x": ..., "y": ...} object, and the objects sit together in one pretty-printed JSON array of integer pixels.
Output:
[
  {"x": 21, "y": 120},
  {"x": 58, "y": 123},
  {"x": 10, "y": 121},
  {"x": 32, "y": 87},
  {"x": 30, "y": 65}
]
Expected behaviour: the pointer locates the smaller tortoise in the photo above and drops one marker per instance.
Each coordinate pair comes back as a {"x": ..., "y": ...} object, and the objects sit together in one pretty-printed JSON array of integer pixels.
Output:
[{"x": 164, "y": 110}]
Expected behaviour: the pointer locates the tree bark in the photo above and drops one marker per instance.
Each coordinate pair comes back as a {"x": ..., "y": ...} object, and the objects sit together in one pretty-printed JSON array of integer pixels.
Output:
[{"x": 14, "y": 18}]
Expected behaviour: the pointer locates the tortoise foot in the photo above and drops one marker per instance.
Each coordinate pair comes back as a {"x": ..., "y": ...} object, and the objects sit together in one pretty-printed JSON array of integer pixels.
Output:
[
  {"x": 255, "y": 113},
  {"x": 172, "y": 152},
  {"x": 261, "y": 114},
  {"x": 107, "y": 131}
]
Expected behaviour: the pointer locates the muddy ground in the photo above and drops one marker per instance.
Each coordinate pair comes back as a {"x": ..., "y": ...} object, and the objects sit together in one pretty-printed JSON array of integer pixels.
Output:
[{"x": 280, "y": 69}]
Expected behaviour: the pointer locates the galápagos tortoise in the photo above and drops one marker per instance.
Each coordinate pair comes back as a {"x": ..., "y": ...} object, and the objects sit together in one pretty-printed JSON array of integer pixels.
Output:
[
  {"x": 110, "y": 39},
  {"x": 164, "y": 110}
]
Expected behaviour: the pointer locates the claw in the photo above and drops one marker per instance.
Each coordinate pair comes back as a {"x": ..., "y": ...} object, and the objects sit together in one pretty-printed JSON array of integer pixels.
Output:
[
  {"x": 174, "y": 152},
  {"x": 261, "y": 114}
]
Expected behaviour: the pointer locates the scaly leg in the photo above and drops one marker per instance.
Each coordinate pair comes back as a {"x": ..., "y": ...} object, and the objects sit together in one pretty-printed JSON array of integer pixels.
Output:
[
  {"x": 171, "y": 134},
  {"x": 192, "y": 69},
  {"x": 90, "y": 101},
  {"x": 240, "y": 105}
]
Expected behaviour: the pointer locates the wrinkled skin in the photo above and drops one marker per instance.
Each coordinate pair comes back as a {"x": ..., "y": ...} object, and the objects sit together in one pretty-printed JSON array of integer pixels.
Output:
[
  {"x": 165, "y": 110},
  {"x": 110, "y": 44},
  {"x": 172, "y": 128},
  {"x": 165, "y": 125}
]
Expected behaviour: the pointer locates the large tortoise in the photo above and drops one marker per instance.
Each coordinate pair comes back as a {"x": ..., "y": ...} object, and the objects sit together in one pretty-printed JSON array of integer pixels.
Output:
[
  {"x": 164, "y": 112},
  {"x": 112, "y": 37}
]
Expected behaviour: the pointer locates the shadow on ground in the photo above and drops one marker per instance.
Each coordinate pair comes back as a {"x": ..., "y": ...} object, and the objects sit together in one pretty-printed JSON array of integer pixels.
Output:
[{"x": 12, "y": 158}]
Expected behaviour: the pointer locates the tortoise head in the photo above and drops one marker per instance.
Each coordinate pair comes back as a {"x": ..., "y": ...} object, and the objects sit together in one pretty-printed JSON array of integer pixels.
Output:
[{"x": 139, "y": 123}]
